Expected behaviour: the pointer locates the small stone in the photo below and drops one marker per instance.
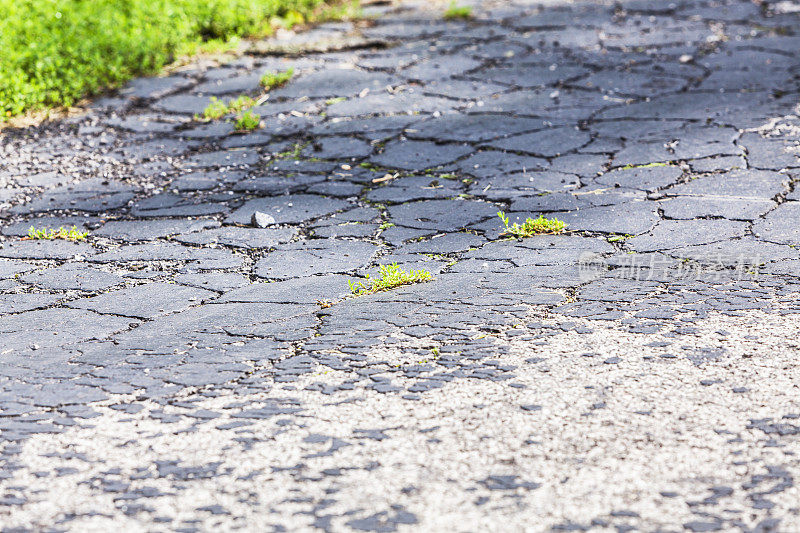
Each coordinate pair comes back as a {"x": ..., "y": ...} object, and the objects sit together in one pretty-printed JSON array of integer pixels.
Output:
[{"x": 261, "y": 220}]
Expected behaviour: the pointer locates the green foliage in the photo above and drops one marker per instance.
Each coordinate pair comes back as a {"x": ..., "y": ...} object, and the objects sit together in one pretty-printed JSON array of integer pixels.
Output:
[
  {"x": 293, "y": 153},
  {"x": 68, "y": 234},
  {"x": 240, "y": 104},
  {"x": 247, "y": 121},
  {"x": 648, "y": 165},
  {"x": 343, "y": 10},
  {"x": 455, "y": 12},
  {"x": 54, "y": 52},
  {"x": 390, "y": 276},
  {"x": 215, "y": 109},
  {"x": 273, "y": 80},
  {"x": 218, "y": 108},
  {"x": 532, "y": 226}
]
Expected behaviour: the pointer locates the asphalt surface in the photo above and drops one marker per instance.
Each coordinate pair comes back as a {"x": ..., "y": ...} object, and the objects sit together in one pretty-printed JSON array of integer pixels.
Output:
[{"x": 184, "y": 369}]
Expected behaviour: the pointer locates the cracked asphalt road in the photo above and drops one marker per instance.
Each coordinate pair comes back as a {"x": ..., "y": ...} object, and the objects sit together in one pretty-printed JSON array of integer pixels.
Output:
[{"x": 175, "y": 371}]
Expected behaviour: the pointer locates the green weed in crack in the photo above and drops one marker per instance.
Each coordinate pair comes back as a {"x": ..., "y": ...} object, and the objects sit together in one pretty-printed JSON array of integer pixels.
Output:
[
  {"x": 217, "y": 108},
  {"x": 648, "y": 165},
  {"x": 456, "y": 12},
  {"x": 389, "y": 277},
  {"x": 532, "y": 226},
  {"x": 273, "y": 80},
  {"x": 247, "y": 121},
  {"x": 67, "y": 234}
]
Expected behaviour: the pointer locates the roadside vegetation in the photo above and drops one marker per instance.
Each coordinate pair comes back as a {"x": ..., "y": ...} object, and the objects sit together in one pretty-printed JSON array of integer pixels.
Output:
[{"x": 55, "y": 52}]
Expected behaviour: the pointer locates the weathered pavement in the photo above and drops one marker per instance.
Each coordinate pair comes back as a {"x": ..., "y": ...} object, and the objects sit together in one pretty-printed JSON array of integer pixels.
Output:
[{"x": 177, "y": 372}]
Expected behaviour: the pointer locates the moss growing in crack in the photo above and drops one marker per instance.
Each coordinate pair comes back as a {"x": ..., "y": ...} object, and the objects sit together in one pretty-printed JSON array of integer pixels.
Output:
[
  {"x": 293, "y": 153},
  {"x": 240, "y": 104},
  {"x": 214, "y": 110},
  {"x": 532, "y": 226},
  {"x": 389, "y": 277},
  {"x": 247, "y": 121},
  {"x": 275, "y": 79}
]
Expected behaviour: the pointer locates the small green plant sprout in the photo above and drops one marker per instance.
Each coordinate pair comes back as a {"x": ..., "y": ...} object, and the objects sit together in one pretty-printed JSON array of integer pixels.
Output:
[
  {"x": 217, "y": 108},
  {"x": 49, "y": 234},
  {"x": 295, "y": 151},
  {"x": 648, "y": 165},
  {"x": 240, "y": 104},
  {"x": 532, "y": 226},
  {"x": 456, "y": 12},
  {"x": 390, "y": 277},
  {"x": 247, "y": 121},
  {"x": 214, "y": 110},
  {"x": 274, "y": 79},
  {"x": 386, "y": 225}
]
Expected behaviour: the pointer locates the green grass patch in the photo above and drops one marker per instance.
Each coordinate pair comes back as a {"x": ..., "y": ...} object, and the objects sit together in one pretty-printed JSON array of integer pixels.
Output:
[
  {"x": 55, "y": 52},
  {"x": 49, "y": 234},
  {"x": 532, "y": 226},
  {"x": 456, "y": 12},
  {"x": 389, "y": 277},
  {"x": 247, "y": 121},
  {"x": 273, "y": 80}
]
